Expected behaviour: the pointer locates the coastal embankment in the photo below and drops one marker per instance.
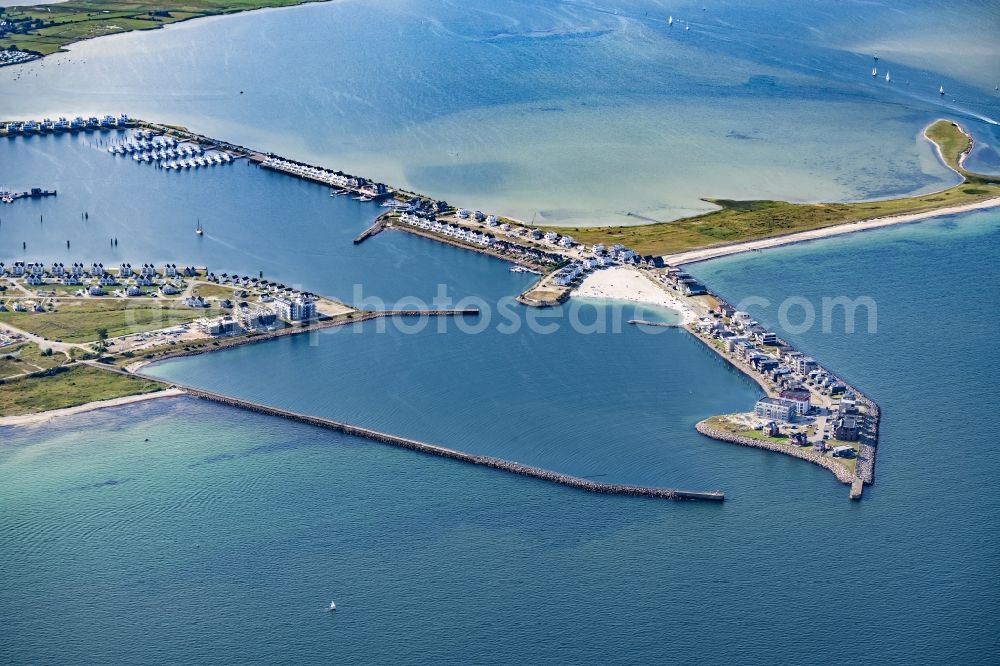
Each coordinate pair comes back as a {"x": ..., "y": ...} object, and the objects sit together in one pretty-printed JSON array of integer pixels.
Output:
[
  {"x": 842, "y": 473},
  {"x": 508, "y": 466}
]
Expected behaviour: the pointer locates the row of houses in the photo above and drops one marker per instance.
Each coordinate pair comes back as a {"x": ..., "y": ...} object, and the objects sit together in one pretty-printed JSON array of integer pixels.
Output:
[
  {"x": 95, "y": 269},
  {"x": 455, "y": 231},
  {"x": 325, "y": 176},
  {"x": 63, "y": 125},
  {"x": 682, "y": 282}
]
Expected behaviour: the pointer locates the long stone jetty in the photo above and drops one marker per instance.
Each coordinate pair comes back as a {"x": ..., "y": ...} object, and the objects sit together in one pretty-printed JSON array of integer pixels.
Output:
[{"x": 444, "y": 452}]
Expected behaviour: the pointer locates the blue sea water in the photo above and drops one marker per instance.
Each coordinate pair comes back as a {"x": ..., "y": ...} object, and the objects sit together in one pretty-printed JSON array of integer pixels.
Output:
[
  {"x": 223, "y": 537},
  {"x": 255, "y": 221}
]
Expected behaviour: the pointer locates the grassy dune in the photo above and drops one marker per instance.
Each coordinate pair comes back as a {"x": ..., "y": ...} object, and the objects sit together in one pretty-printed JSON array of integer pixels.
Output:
[
  {"x": 77, "y": 20},
  {"x": 68, "y": 387},
  {"x": 751, "y": 220}
]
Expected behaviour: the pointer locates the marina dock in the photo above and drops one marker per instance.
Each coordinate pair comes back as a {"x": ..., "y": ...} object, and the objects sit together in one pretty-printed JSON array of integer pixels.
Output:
[
  {"x": 33, "y": 193},
  {"x": 660, "y": 324},
  {"x": 378, "y": 226}
]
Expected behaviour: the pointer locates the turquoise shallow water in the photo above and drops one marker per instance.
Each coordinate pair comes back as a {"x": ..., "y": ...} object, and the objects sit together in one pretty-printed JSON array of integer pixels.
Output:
[
  {"x": 222, "y": 538},
  {"x": 563, "y": 111}
]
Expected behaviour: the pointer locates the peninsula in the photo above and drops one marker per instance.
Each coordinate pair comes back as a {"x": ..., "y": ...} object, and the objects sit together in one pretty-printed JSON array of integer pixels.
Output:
[
  {"x": 66, "y": 342},
  {"x": 739, "y": 222},
  {"x": 32, "y": 31}
]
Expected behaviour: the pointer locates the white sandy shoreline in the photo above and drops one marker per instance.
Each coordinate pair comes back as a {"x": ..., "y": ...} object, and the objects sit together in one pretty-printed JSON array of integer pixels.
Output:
[
  {"x": 621, "y": 283},
  {"x": 45, "y": 417},
  {"x": 704, "y": 254}
]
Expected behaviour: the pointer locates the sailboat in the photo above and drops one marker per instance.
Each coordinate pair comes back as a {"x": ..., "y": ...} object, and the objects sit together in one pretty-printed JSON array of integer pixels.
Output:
[
  {"x": 670, "y": 21},
  {"x": 199, "y": 230},
  {"x": 941, "y": 91},
  {"x": 874, "y": 72},
  {"x": 887, "y": 79}
]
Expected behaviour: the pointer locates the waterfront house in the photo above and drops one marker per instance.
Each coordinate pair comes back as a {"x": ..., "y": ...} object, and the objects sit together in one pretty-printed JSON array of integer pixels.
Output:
[
  {"x": 566, "y": 241},
  {"x": 72, "y": 280},
  {"x": 95, "y": 290},
  {"x": 218, "y": 327},
  {"x": 799, "y": 398},
  {"x": 462, "y": 214},
  {"x": 35, "y": 280},
  {"x": 148, "y": 270},
  {"x": 170, "y": 270},
  {"x": 771, "y": 429},
  {"x": 107, "y": 280},
  {"x": 124, "y": 271},
  {"x": 843, "y": 452},
  {"x": 773, "y": 409},
  {"x": 77, "y": 269},
  {"x": 296, "y": 307},
  {"x": 57, "y": 270},
  {"x": 36, "y": 268},
  {"x": 798, "y": 439},
  {"x": 479, "y": 216},
  {"x": 847, "y": 428},
  {"x": 492, "y": 221},
  {"x": 96, "y": 269},
  {"x": 144, "y": 281}
]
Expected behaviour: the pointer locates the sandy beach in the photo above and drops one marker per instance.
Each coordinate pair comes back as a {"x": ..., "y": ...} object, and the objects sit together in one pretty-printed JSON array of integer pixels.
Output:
[
  {"x": 704, "y": 254},
  {"x": 45, "y": 417},
  {"x": 628, "y": 284}
]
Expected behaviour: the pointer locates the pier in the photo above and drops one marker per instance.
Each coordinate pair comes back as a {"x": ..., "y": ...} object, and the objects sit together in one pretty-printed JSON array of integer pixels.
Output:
[
  {"x": 444, "y": 452},
  {"x": 33, "y": 193},
  {"x": 661, "y": 324},
  {"x": 378, "y": 226}
]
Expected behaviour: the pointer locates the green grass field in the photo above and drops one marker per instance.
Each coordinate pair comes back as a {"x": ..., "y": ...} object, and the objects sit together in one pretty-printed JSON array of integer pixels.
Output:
[
  {"x": 750, "y": 220},
  {"x": 25, "y": 357},
  {"x": 73, "y": 386},
  {"x": 75, "y": 20},
  {"x": 78, "y": 320}
]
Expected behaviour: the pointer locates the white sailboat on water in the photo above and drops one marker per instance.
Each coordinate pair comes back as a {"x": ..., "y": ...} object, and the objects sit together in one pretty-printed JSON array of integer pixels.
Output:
[
  {"x": 887, "y": 79},
  {"x": 874, "y": 72},
  {"x": 670, "y": 20},
  {"x": 199, "y": 230},
  {"x": 941, "y": 91}
]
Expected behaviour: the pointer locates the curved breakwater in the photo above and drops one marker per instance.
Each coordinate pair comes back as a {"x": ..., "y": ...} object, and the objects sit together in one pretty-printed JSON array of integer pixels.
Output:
[
  {"x": 842, "y": 473},
  {"x": 484, "y": 461}
]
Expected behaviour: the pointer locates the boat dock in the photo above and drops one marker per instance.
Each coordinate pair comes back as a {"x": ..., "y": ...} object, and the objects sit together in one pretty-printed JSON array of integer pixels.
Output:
[
  {"x": 444, "y": 452},
  {"x": 661, "y": 324},
  {"x": 378, "y": 226},
  {"x": 33, "y": 193}
]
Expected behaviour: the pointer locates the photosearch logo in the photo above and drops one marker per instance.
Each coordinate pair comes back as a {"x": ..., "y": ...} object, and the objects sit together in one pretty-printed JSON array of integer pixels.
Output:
[
  {"x": 797, "y": 314},
  {"x": 505, "y": 316}
]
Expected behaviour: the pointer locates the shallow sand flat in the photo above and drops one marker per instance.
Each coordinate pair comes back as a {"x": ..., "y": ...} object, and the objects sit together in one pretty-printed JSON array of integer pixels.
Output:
[{"x": 628, "y": 284}]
